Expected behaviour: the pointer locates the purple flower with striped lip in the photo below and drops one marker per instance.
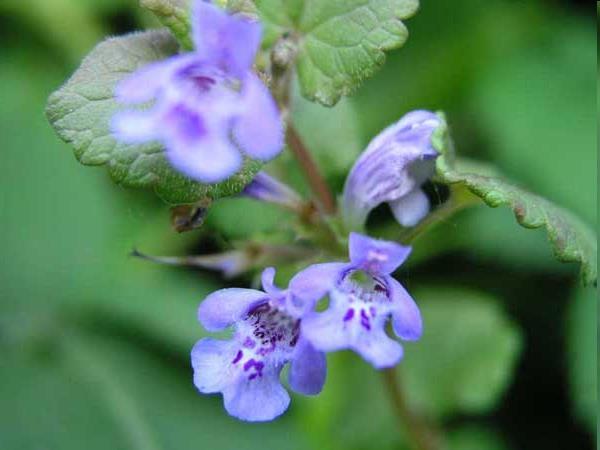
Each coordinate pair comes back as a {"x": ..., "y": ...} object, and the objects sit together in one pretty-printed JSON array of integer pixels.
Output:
[
  {"x": 392, "y": 169},
  {"x": 209, "y": 108},
  {"x": 246, "y": 369},
  {"x": 363, "y": 295}
]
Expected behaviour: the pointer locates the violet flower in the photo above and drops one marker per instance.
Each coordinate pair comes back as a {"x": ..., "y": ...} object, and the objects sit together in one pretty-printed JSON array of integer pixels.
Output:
[
  {"x": 209, "y": 107},
  {"x": 266, "y": 188},
  {"x": 246, "y": 369},
  {"x": 363, "y": 295},
  {"x": 392, "y": 169}
]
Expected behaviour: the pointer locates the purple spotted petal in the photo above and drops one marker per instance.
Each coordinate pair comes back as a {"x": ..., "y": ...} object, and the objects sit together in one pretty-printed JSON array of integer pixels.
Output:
[
  {"x": 345, "y": 326},
  {"x": 226, "y": 306},
  {"x": 313, "y": 283},
  {"x": 410, "y": 209},
  {"x": 257, "y": 400},
  {"x": 326, "y": 330},
  {"x": 376, "y": 256},
  {"x": 308, "y": 369},
  {"x": 211, "y": 360},
  {"x": 396, "y": 162},
  {"x": 406, "y": 317},
  {"x": 229, "y": 42},
  {"x": 259, "y": 135}
]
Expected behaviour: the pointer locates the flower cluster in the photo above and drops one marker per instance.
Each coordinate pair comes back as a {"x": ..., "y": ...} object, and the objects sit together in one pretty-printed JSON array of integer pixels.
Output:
[
  {"x": 209, "y": 108},
  {"x": 275, "y": 327},
  {"x": 210, "y": 111}
]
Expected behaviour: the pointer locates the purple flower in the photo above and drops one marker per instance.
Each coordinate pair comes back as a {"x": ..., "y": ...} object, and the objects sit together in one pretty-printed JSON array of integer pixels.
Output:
[
  {"x": 392, "y": 169},
  {"x": 268, "y": 189},
  {"x": 208, "y": 107},
  {"x": 362, "y": 296},
  {"x": 246, "y": 368}
]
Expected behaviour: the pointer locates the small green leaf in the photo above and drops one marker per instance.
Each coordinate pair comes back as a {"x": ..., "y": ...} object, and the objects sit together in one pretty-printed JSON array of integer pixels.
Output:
[
  {"x": 174, "y": 14},
  {"x": 571, "y": 239},
  {"x": 465, "y": 360},
  {"x": 81, "y": 111},
  {"x": 340, "y": 42}
]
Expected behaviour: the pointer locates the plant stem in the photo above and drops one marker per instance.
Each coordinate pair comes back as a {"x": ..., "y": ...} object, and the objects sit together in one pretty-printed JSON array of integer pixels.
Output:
[
  {"x": 460, "y": 199},
  {"x": 314, "y": 177},
  {"x": 422, "y": 435}
]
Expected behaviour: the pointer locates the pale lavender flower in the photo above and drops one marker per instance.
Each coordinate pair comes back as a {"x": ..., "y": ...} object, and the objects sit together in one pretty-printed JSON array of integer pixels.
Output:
[
  {"x": 392, "y": 169},
  {"x": 268, "y": 189},
  {"x": 209, "y": 108},
  {"x": 246, "y": 369},
  {"x": 362, "y": 297}
]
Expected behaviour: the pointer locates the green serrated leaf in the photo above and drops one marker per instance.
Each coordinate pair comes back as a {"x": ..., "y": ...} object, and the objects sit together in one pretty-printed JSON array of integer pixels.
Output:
[
  {"x": 340, "y": 42},
  {"x": 81, "y": 111},
  {"x": 572, "y": 240},
  {"x": 174, "y": 14}
]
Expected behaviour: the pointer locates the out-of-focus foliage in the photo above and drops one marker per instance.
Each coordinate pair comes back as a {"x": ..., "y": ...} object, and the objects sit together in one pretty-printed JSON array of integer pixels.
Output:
[
  {"x": 582, "y": 358},
  {"x": 95, "y": 344},
  {"x": 475, "y": 347}
]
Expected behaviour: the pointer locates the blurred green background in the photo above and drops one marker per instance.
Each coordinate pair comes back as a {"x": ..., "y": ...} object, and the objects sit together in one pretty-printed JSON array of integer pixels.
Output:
[{"x": 95, "y": 344}]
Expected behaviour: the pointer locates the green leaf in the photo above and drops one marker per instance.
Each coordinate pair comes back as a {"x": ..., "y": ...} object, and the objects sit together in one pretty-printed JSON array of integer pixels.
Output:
[
  {"x": 465, "y": 360},
  {"x": 174, "y": 14},
  {"x": 81, "y": 111},
  {"x": 582, "y": 338},
  {"x": 571, "y": 239},
  {"x": 340, "y": 42}
]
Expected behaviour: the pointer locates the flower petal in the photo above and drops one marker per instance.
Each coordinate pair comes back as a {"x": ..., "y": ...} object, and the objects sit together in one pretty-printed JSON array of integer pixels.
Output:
[
  {"x": 203, "y": 155},
  {"x": 410, "y": 209},
  {"x": 376, "y": 256},
  {"x": 406, "y": 317},
  {"x": 397, "y": 161},
  {"x": 310, "y": 285},
  {"x": 378, "y": 349},
  {"x": 268, "y": 282},
  {"x": 257, "y": 400},
  {"x": 266, "y": 188},
  {"x": 228, "y": 41},
  {"x": 226, "y": 306},
  {"x": 211, "y": 361},
  {"x": 134, "y": 127},
  {"x": 327, "y": 331},
  {"x": 144, "y": 84},
  {"x": 308, "y": 369},
  {"x": 258, "y": 130}
]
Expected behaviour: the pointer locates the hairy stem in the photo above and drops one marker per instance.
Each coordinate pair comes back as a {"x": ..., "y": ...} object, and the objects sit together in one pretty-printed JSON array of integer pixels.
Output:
[
  {"x": 422, "y": 435},
  {"x": 311, "y": 171}
]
